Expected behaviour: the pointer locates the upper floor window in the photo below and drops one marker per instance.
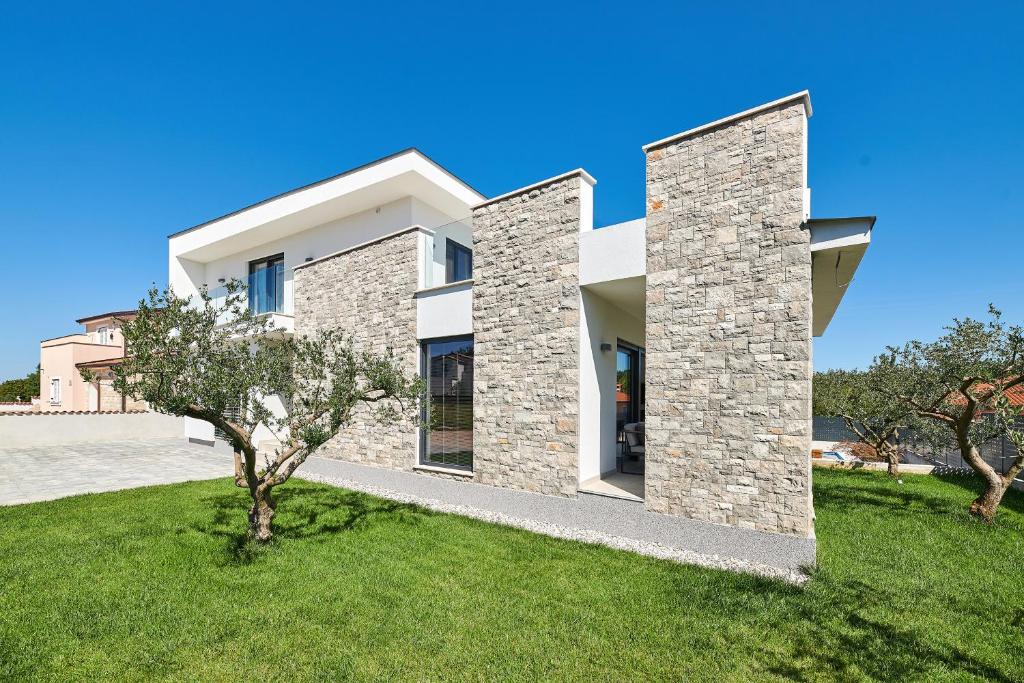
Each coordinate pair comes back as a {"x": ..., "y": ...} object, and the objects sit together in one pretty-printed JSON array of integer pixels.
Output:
[
  {"x": 266, "y": 285},
  {"x": 103, "y": 334},
  {"x": 458, "y": 262}
]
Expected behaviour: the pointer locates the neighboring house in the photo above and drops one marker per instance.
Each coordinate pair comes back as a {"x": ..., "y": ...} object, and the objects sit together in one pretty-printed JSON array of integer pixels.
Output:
[
  {"x": 525, "y": 319},
  {"x": 97, "y": 348},
  {"x": 1014, "y": 395}
]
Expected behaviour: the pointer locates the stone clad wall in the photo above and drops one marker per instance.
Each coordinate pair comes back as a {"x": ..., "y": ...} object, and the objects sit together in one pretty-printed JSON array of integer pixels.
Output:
[
  {"x": 526, "y": 331},
  {"x": 368, "y": 292},
  {"x": 729, "y": 325}
]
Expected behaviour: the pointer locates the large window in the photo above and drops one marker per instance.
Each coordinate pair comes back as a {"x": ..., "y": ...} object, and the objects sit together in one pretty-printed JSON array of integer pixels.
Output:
[
  {"x": 448, "y": 408},
  {"x": 458, "y": 262},
  {"x": 266, "y": 285}
]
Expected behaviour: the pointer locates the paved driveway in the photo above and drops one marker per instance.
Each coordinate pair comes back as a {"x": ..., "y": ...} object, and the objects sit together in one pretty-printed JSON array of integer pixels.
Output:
[{"x": 44, "y": 473}]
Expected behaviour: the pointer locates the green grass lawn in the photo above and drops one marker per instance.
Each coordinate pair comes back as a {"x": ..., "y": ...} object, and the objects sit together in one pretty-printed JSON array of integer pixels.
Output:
[{"x": 157, "y": 583}]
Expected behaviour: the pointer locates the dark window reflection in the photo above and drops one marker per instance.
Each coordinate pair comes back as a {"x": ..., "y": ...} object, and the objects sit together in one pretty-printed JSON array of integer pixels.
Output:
[{"x": 448, "y": 436}]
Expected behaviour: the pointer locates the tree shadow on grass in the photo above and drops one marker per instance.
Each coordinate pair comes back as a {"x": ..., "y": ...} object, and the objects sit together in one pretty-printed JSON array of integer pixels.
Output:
[
  {"x": 836, "y": 627},
  {"x": 303, "y": 512},
  {"x": 890, "y": 496},
  {"x": 972, "y": 483},
  {"x": 836, "y": 638}
]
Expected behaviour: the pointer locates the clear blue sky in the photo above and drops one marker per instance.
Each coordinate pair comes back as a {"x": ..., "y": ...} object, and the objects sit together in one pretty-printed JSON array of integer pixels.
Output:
[{"x": 121, "y": 123}]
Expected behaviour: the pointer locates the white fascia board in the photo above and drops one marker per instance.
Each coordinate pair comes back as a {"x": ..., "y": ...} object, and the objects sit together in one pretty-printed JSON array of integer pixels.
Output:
[
  {"x": 833, "y": 233},
  {"x": 399, "y": 171},
  {"x": 802, "y": 95}
]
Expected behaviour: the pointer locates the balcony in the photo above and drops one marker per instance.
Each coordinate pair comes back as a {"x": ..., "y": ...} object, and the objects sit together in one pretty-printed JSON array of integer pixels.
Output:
[{"x": 446, "y": 254}]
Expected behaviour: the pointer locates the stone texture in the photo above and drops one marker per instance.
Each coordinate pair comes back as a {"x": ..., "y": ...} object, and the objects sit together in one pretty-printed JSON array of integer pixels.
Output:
[
  {"x": 526, "y": 330},
  {"x": 729, "y": 325},
  {"x": 366, "y": 292}
]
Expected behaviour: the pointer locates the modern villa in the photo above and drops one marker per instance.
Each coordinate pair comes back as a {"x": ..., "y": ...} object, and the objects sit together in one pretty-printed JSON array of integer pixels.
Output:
[{"x": 665, "y": 359}]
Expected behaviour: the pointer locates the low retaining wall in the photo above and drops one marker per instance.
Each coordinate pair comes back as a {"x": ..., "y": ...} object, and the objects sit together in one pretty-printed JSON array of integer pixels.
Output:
[
  {"x": 40, "y": 429},
  {"x": 884, "y": 467}
]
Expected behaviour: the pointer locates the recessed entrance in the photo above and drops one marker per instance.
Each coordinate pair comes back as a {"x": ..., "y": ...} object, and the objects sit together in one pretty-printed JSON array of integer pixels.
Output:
[{"x": 612, "y": 361}]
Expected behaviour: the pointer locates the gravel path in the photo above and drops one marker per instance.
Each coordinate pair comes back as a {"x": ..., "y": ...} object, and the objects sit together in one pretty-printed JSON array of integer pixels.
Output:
[{"x": 616, "y": 523}]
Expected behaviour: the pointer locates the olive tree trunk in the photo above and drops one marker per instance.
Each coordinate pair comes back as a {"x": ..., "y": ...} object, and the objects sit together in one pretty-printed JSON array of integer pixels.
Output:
[
  {"x": 891, "y": 453},
  {"x": 261, "y": 514},
  {"x": 996, "y": 484},
  {"x": 892, "y": 456}
]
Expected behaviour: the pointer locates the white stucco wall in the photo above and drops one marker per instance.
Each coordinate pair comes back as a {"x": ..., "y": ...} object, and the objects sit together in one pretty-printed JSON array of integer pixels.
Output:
[
  {"x": 198, "y": 430},
  {"x": 313, "y": 243},
  {"x": 613, "y": 252},
  {"x": 600, "y": 322},
  {"x": 39, "y": 429},
  {"x": 445, "y": 312}
]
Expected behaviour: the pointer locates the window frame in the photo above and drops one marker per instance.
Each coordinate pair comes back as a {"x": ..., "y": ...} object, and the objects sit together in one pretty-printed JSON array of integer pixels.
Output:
[
  {"x": 55, "y": 395},
  {"x": 424, "y": 430},
  {"x": 269, "y": 261},
  {"x": 454, "y": 249}
]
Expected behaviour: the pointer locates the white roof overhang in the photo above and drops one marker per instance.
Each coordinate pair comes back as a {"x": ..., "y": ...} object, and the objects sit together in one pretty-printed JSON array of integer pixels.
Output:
[
  {"x": 408, "y": 173},
  {"x": 837, "y": 247}
]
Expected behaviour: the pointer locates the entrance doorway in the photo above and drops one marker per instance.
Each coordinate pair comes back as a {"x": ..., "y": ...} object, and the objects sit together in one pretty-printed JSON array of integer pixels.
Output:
[{"x": 629, "y": 407}]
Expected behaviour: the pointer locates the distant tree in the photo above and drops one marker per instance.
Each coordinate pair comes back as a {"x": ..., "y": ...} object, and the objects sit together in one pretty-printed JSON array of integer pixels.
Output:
[
  {"x": 952, "y": 382},
  {"x": 216, "y": 362},
  {"x": 23, "y": 389},
  {"x": 874, "y": 416}
]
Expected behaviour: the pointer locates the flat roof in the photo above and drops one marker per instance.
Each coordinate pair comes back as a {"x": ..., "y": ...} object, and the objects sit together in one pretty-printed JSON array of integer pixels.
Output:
[{"x": 363, "y": 167}]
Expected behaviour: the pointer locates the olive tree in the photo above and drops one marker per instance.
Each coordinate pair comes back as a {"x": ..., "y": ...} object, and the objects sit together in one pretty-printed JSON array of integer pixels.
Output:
[
  {"x": 213, "y": 360},
  {"x": 955, "y": 380},
  {"x": 876, "y": 417}
]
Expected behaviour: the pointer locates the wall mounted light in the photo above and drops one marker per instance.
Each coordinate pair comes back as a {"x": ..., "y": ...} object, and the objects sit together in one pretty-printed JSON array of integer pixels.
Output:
[
  {"x": 308, "y": 259},
  {"x": 221, "y": 280},
  {"x": 605, "y": 346}
]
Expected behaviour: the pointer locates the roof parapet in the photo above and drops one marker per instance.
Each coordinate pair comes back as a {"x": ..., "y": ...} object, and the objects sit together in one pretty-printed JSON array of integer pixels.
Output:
[
  {"x": 802, "y": 95},
  {"x": 548, "y": 181}
]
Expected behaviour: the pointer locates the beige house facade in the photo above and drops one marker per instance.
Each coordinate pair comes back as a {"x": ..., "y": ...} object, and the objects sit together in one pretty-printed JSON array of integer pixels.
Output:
[{"x": 96, "y": 348}]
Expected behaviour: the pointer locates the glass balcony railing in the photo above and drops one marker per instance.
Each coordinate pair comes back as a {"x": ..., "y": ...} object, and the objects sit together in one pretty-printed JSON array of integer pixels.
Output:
[{"x": 448, "y": 254}]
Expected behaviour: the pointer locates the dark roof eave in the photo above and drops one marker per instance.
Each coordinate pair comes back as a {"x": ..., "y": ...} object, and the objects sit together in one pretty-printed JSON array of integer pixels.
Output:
[
  {"x": 101, "y": 363},
  {"x": 111, "y": 314},
  {"x": 810, "y": 222}
]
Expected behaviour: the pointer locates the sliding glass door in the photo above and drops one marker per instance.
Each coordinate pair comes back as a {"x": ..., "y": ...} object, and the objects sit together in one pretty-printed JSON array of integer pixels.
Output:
[
  {"x": 629, "y": 381},
  {"x": 448, "y": 408}
]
